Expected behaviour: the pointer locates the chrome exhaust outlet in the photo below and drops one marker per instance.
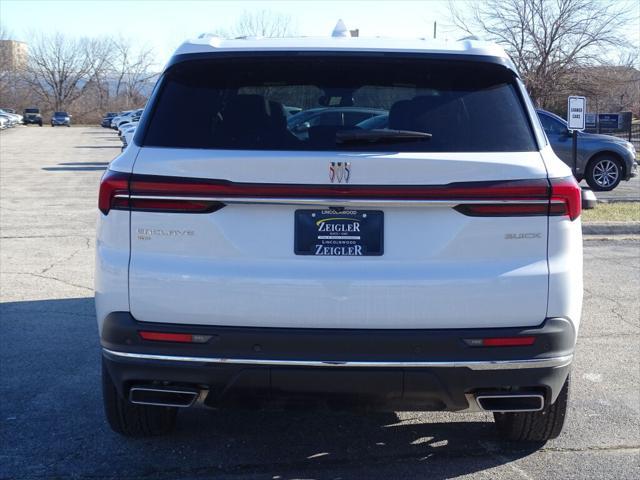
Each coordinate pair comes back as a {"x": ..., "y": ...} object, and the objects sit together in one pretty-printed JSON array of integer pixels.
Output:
[
  {"x": 503, "y": 403},
  {"x": 163, "y": 396}
]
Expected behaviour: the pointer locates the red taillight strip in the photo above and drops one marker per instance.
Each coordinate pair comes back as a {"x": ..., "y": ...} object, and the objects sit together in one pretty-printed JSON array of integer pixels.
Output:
[
  {"x": 567, "y": 192},
  {"x": 508, "y": 341},
  {"x": 500, "y": 341},
  {"x": 169, "y": 205},
  {"x": 495, "y": 190},
  {"x": 166, "y": 337},
  {"x": 112, "y": 184},
  {"x": 190, "y": 195},
  {"x": 519, "y": 209},
  {"x": 173, "y": 337}
]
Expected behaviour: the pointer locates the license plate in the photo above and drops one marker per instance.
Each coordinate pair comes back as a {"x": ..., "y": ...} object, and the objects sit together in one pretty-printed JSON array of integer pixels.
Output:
[{"x": 349, "y": 233}]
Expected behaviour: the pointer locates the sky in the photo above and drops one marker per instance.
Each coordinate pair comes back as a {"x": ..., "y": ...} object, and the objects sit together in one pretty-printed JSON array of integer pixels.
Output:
[{"x": 163, "y": 24}]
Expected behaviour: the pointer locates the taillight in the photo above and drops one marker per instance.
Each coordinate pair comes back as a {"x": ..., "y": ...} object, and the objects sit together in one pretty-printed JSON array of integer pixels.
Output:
[
  {"x": 150, "y": 193},
  {"x": 150, "y": 185},
  {"x": 504, "y": 210},
  {"x": 562, "y": 196},
  {"x": 500, "y": 341},
  {"x": 566, "y": 197},
  {"x": 174, "y": 337},
  {"x": 113, "y": 184},
  {"x": 120, "y": 191}
]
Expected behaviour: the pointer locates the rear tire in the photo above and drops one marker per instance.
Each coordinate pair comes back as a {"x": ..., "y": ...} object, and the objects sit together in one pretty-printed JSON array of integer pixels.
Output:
[
  {"x": 535, "y": 426},
  {"x": 133, "y": 420}
]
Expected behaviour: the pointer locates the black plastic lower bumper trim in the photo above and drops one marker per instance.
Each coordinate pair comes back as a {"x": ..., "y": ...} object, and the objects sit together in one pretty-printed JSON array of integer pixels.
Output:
[{"x": 381, "y": 369}]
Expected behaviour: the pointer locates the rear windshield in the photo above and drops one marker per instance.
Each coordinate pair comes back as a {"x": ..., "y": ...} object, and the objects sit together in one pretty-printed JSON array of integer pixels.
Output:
[{"x": 249, "y": 103}]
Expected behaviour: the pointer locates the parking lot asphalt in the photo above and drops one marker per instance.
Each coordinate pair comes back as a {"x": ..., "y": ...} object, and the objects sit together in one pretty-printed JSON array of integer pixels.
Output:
[
  {"x": 51, "y": 418},
  {"x": 626, "y": 191}
]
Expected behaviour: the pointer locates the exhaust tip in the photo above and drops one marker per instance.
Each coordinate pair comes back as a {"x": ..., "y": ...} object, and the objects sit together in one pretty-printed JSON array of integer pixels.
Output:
[
  {"x": 527, "y": 402},
  {"x": 163, "y": 397}
]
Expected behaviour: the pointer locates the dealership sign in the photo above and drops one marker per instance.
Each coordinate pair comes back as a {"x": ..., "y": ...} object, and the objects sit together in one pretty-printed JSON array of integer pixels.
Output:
[{"x": 609, "y": 121}]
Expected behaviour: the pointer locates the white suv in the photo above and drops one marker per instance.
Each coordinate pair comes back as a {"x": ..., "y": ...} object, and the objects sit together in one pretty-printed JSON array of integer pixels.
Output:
[{"x": 435, "y": 264}]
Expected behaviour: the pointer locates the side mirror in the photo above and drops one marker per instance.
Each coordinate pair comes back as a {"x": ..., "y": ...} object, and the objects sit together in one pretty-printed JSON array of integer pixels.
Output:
[
  {"x": 302, "y": 127},
  {"x": 589, "y": 200}
]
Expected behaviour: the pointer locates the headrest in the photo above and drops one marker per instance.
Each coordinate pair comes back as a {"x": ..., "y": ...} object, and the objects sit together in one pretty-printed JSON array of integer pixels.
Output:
[
  {"x": 249, "y": 110},
  {"x": 402, "y": 115}
]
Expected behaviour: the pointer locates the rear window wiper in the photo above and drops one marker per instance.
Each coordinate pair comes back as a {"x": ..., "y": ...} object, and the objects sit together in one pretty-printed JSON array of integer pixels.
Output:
[{"x": 379, "y": 136}]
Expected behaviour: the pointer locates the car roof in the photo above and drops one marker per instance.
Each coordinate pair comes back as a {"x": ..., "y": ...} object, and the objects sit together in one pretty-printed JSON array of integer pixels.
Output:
[{"x": 212, "y": 44}]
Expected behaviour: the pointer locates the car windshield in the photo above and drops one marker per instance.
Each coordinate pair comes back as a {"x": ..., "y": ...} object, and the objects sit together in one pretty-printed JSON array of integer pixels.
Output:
[
  {"x": 31, "y": 110},
  {"x": 240, "y": 104},
  {"x": 60, "y": 114}
]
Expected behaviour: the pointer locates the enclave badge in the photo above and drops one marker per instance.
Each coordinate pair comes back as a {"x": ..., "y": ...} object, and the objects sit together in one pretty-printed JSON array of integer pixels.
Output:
[{"x": 339, "y": 171}]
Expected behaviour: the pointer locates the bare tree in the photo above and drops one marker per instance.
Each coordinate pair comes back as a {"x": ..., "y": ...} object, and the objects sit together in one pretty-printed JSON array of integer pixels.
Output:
[
  {"x": 61, "y": 69},
  {"x": 262, "y": 23},
  {"x": 548, "y": 40},
  {"x": 131, "y": 69}
]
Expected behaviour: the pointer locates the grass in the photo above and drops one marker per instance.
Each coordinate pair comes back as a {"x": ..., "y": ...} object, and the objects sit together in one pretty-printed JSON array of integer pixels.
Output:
[{"x": 613, "y": 212}]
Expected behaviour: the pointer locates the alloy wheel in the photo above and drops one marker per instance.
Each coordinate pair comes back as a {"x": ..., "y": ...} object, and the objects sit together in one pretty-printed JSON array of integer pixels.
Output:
[{"x": 605, "y": 173}]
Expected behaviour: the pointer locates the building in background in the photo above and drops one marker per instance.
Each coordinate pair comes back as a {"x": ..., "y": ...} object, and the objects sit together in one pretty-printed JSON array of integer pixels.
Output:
[{"x": 13, "y": 55}]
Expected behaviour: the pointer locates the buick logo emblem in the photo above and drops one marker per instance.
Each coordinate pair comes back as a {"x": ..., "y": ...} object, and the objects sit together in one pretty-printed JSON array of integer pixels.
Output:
[{"x": 339, "y": 172}]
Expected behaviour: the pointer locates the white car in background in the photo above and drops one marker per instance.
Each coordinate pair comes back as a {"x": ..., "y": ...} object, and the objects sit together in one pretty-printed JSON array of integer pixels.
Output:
[
  {"x": 432, "y": 265},
  {"x": 12, "y": 118},
  {"x": 4, "y": 122},
  {"x": 127, "y": 133},
  {"x": 13, "y": 113},
  {"x": 130, "y": 117},
  {"x": 120, "y": 116}
]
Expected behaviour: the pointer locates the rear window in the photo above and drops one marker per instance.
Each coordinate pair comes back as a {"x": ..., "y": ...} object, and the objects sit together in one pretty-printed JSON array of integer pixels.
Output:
[{"x": 244, "y": 103}]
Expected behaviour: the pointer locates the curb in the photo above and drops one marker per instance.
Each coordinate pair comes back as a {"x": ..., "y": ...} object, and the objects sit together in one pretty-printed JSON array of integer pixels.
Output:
[
  {"x": 611, "y": 228},
  {"x": 619, "y": 199}
]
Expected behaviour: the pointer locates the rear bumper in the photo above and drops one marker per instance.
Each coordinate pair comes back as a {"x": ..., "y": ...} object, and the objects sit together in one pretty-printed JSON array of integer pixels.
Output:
[{"x": 382, "y": 369}]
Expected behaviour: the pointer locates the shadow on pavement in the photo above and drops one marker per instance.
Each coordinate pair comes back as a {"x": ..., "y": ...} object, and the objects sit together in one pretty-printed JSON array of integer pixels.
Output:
[
  {"x": 78, "y": 166},
  {"x": 78, "y": 169},
  {"x": 58, "y": 429},
  {"x": 97, "y": 146},
  {"x": 96, "y": 164}
]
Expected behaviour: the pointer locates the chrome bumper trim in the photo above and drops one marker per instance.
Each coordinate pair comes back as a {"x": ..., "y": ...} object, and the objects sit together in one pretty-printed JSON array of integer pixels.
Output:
[{"x": 473, "y": 365}]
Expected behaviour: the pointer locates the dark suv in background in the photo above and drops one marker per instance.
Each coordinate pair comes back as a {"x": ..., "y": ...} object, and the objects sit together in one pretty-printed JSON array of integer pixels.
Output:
[
  {"x": 603, "y": 160},
  {"x": 32, "y": 115},
  {"x": 106, "y": 120}
]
